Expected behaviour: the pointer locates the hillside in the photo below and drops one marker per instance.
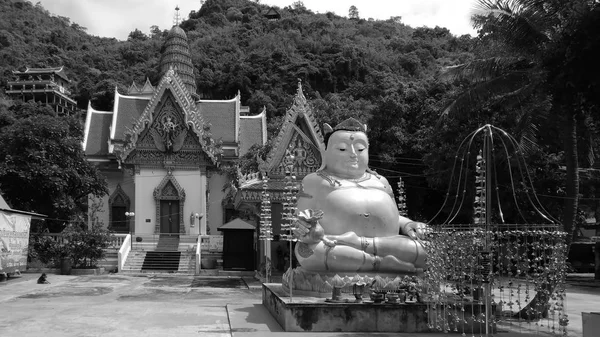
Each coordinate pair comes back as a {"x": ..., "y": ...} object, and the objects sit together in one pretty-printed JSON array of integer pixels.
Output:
[{"x": 380, "y": 71}]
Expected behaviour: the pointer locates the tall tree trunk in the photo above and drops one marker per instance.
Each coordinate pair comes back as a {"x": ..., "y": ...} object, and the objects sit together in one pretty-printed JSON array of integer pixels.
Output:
[
  {"x": 571, "y": 179},
  {"x": 539, "y": 305}
]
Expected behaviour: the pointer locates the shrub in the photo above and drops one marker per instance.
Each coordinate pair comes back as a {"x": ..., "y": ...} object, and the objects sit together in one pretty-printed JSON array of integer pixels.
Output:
[{"x": 85, "y": 247}]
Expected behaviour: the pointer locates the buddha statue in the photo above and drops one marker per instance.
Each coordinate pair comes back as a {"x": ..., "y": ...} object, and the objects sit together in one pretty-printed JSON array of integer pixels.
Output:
[{"x": 348, "y": 221}]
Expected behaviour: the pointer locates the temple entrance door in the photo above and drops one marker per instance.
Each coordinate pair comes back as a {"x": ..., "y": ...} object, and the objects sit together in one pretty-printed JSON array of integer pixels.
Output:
[{"x": 169, "y": 216}]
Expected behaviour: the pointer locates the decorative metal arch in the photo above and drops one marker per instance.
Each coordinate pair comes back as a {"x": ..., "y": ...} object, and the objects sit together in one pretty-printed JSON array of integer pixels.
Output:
[
  {"x": 118, "y": 198},
  {"x": 169, "y": 189}
]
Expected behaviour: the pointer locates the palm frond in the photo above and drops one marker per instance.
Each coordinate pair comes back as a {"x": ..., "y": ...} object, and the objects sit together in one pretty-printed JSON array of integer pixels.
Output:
[
  {"x": 521, "y": 23},
  {"x": 528, "y": 127},
  {"x": 503, "y": 86},
  {"x": 483, "y": 70}
]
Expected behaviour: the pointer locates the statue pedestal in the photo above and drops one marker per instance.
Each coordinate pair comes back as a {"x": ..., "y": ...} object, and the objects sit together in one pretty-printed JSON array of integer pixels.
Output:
[{"x": 314, "y": 314}]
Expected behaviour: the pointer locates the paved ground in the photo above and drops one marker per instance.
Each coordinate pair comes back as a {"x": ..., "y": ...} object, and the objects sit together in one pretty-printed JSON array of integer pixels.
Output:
[{"x": 153, "y": 305}]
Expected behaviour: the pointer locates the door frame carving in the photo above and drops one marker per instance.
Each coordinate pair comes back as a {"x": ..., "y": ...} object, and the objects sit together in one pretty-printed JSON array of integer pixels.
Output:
[{"x": 162, "y": 193}]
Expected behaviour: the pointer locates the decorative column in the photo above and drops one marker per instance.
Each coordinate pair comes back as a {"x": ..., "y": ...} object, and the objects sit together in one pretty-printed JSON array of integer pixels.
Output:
[
  {"x": 266, "y": 231},
  {"x": 288, "y": 222}
]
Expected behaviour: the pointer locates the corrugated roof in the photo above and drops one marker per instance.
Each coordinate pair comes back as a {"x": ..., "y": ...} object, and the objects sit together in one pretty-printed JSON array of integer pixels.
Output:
[
  {"x": 221, "y": 115},
  {"x": 98, "y": 134},
  {"x": 128, "y": 111}
]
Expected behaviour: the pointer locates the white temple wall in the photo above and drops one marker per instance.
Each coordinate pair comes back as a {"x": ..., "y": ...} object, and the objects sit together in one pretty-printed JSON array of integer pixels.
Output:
[
  {"x": 215, "y": 202},
  {"x": 98, "y": 208},
  {"x": 192, "y": 182}
]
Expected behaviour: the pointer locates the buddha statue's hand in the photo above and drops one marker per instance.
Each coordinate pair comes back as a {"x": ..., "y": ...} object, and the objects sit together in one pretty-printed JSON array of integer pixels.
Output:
[
  {"x": 416, "y": 230},
  {"x": 309, "y": 230}
]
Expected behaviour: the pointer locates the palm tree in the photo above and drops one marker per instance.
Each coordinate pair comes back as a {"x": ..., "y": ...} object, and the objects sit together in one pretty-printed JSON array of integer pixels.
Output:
[
  {"x": 522, "y": 35},
  {"x": 532, "y": 46}
]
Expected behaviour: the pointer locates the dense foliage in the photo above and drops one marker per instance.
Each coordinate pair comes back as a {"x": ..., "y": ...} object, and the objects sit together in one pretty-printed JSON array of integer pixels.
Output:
[
  {"x": 82, "y": 246},
  {"x": 381, "y": 71},
  {"x": 42, "y": 167}
]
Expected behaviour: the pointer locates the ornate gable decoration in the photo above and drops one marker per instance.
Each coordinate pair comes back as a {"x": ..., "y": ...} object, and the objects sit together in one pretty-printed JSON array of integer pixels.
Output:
[
  {"x": 171, "y": 134},
  {"x": 169, "y": 189},
  {"x": 301, "y": 135},
  {"x": 119, "y": 197}
]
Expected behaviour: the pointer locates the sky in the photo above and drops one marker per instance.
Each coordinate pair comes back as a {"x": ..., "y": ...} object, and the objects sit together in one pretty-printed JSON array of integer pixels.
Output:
[{"x": 117, "y": 18}]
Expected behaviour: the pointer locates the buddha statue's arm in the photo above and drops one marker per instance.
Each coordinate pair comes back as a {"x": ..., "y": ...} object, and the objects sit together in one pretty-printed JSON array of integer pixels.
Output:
[{"x": 308, "y": 229}]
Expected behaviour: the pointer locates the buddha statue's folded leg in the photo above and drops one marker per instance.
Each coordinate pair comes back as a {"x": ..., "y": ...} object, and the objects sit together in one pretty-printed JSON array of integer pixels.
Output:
[
  {"x": 403, "y": 248},
  {"x": 322, "y": 258}
]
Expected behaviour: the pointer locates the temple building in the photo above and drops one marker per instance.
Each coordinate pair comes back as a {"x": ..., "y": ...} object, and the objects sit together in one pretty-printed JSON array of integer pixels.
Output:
[
  {"x": 161, "y": 147},
  {"x": 299, "y": 143},
  {"x": 45, "y": 85}
]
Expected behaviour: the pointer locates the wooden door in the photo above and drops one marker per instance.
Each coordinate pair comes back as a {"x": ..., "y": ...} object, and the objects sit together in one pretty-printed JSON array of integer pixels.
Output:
[{"x": 169, "y": 216}]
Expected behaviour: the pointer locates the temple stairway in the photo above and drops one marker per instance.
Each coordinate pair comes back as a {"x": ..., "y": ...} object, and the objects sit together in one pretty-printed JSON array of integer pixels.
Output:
[{"x": 168, "y": 256}]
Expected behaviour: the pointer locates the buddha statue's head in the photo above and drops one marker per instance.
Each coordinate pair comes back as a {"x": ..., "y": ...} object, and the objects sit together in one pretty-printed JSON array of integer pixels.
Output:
[{"x": 346, "y": 149}]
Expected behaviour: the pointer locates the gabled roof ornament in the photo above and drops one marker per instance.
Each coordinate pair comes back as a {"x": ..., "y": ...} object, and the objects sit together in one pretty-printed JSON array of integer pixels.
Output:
[{"x": 299, "y": 99}]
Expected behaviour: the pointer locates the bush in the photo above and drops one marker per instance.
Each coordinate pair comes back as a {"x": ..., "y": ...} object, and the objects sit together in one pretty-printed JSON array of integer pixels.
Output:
[{"x": 85, "y": 247}]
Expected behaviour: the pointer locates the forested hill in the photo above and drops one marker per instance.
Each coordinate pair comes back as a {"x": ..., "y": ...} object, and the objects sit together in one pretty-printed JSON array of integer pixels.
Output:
[
  {"x": 380, "y": 71},
  {"x": 235, "y": 47}
]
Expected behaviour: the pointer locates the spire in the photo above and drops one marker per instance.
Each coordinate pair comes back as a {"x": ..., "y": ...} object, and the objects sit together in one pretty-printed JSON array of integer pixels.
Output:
[
  {"x": 176, "y": 17},
  {"x": 176, "y": 54}
]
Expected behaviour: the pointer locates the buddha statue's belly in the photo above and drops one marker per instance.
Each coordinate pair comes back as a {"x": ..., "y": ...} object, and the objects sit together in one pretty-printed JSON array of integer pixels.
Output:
[{"x": 368, "y": 212}]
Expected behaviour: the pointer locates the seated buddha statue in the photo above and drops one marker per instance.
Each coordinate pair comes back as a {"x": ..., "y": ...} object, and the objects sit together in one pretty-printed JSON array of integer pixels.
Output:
[{"x": 348, "y": 220}]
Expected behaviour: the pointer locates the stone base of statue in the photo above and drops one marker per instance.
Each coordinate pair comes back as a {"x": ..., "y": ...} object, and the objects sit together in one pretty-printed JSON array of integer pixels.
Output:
[
  {"x": 330, "y": 303},
  {"x": 312, "y": 314}
]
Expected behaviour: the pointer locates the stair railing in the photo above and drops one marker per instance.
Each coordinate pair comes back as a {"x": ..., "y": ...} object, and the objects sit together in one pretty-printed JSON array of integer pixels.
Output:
[
  {"x": 124, "y": 251},
  {"x": 198, "y": 241}
]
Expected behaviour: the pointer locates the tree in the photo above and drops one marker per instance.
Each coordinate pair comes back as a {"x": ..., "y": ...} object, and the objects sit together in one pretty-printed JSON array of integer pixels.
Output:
[
  {"x": 522, "y": 33},
  {"x": 137, "y": 35},
  {"x": 528, "y": 33},
  {"x": 42, "y": 165},
  {"x": 353, "y": 13}
]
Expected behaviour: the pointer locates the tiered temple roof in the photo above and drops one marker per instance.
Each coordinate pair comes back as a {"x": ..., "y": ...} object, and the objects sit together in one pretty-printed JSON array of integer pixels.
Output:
[{"x": 299, "y": 135}]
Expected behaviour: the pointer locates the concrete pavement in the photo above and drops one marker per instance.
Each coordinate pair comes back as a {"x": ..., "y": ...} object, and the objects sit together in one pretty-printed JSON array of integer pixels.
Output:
[{"x": 173, "y": 305}]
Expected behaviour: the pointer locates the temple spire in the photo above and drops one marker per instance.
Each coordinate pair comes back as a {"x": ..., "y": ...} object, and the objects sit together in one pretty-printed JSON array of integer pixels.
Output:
[{"x": 176, "y": 17}]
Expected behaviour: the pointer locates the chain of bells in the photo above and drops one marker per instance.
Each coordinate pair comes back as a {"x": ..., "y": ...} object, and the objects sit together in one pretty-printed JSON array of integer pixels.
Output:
[
  {"x": 289, "y": 205},
  {"x": 525, "y": 262}
]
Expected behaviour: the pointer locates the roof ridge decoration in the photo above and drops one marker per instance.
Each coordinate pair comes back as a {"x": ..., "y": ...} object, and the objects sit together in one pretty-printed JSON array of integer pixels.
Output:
[
  {"x": 192, "y": 118},
  {"x": 133, "y": 88},
  {"x": 147, "y": 88},
  {"x": 300, "y": 111}
]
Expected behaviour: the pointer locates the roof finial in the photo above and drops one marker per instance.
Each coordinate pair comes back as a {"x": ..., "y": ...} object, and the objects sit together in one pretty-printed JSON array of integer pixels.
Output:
[{"x": 176, "y": 17}]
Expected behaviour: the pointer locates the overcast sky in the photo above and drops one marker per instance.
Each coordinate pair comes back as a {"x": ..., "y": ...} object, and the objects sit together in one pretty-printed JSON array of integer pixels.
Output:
[{"x": 117, "y": 18}]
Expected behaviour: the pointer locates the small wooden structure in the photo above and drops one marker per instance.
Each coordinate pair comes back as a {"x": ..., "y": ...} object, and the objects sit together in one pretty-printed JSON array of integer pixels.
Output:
[{"x": 238, "y": 245}]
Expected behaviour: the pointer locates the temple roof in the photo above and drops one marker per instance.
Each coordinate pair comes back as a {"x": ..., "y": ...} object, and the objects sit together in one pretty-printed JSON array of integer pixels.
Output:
[
  {"x": 237, "y": 224},
  {"x": 147, "y": 89},
  {"x": 253, "y": 130},
  {"x": 126, "y": 109},
  {"x": 300, "y": 134},
  {"x": 95, "y": 141},
  {"x": 223, "y": 117},
  {"x": 106, "y": 129},
  {"x": 56, "y": 70}
]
